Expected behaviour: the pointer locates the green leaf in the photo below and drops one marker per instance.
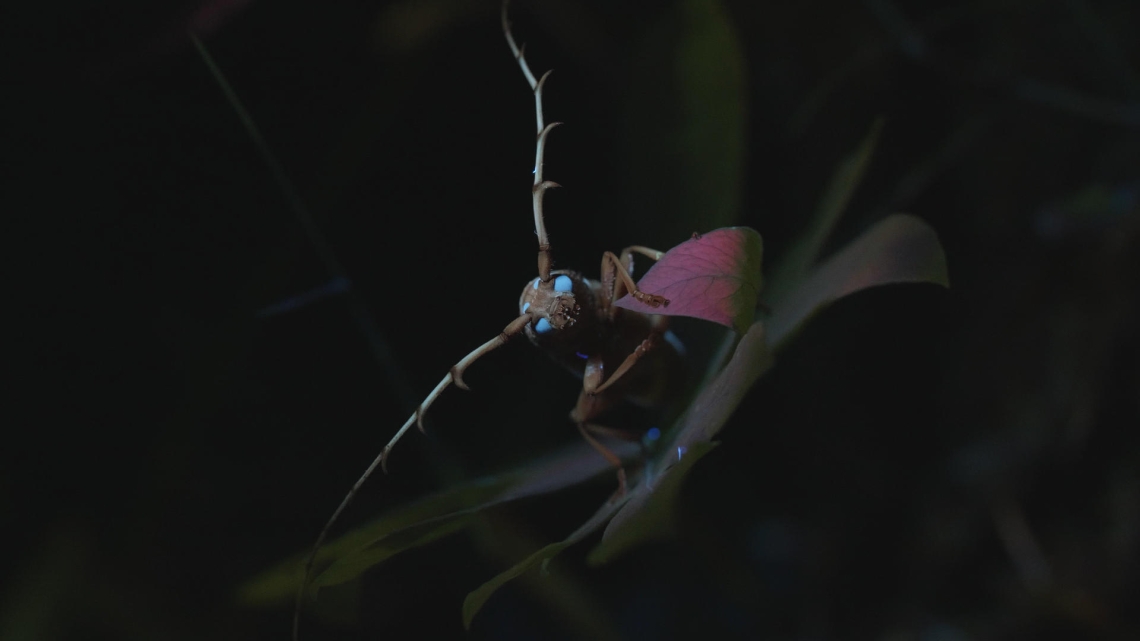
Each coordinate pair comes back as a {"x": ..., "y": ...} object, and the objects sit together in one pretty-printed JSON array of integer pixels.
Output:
[
  {"x": 687, "y": 116},
  {"x": 477, "y": 598},
  {"x": 898, "y": 249},
  {"x": 800, "y": 258},
  {"x": 716, "y": 402},
  {"x": 649, "y": 512},
  {"x": 424, "y": 521},
  {"x": 383, "y": 547},
  {"x": 692, "y": 434}
]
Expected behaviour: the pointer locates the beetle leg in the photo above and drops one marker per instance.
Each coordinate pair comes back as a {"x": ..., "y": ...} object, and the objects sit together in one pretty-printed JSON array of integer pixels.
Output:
[
  {"x": 628, "y": 252},
  {"x": 617, "y": 280},
  {"x": 613, "y": 432},
  {"x": 627, "y": 265},
  {"x": 649, "y": 343},
  {"x": 587, "y": 430},
  {"x": 589, "y": 403},
  {"x": 594, "y": 381}
]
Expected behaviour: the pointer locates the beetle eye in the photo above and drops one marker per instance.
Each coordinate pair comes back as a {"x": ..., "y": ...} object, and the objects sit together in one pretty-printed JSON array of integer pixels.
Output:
[
  {"x": 563, "y": 284},
  {"x": 543, "y": 326}
]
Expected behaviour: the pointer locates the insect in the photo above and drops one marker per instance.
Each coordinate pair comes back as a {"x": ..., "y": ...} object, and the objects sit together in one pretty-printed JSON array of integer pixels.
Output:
[
  {"x": 618, "y": 354},
  {"x": 574, "y": 318}
]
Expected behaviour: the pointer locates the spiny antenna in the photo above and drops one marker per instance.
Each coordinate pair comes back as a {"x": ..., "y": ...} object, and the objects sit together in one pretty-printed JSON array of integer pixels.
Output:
[
  {"x": 540, "y": 185},
  {"x": 456, "y": 374},
  {"x": 381, "y": 461}
]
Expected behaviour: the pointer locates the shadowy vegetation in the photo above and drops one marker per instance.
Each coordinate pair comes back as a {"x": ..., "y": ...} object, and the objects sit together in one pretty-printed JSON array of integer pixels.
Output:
[{"x": 919, "y": 461}]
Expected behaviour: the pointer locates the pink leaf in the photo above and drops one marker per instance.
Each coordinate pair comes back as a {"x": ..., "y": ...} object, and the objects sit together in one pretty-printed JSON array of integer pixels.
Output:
[{"x": 715, "y": 276}]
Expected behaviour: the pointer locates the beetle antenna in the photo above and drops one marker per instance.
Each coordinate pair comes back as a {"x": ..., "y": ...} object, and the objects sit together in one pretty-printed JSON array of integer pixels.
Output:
[
  {"x": 456, "y": 374},
  {"x": 381, "y": 461},
  {"x": 540, "y": 185}
]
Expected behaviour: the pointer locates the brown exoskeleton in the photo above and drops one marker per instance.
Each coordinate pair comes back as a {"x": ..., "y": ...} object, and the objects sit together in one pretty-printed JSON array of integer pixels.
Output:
[
  {"x": 575, "y": 320},
  {"x": 618, "y": 354}
]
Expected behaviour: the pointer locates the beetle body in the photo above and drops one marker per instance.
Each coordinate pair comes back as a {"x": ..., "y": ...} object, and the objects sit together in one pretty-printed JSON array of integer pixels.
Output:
[
  {"x": 618, "y": 354},
  {"x": 591, "y": 339}
]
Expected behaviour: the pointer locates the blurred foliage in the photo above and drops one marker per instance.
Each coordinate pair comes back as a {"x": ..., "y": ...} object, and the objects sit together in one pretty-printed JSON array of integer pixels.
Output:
[
  {"x": 421, "y": 522},
  {"x": 921, "y": 463},
  {"x": 899, "y": 249},
  {"x": 686, "y": 124}
]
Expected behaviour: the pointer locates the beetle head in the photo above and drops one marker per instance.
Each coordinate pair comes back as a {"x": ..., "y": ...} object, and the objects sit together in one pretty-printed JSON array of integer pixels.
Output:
[{"x": 551, "y": 304}]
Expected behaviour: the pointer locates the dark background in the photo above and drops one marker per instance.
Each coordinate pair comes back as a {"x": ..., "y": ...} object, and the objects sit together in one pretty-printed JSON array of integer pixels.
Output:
[{"x": 921, "y": 463}]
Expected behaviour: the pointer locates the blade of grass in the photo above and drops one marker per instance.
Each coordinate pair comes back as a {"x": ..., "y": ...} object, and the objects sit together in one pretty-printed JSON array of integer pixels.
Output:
[
  {"x": 419, "y": 523},
  {"x": 477, "y": 598},
  {"x": 393, "y": 374},
  {"x": 798, "y": 260}
]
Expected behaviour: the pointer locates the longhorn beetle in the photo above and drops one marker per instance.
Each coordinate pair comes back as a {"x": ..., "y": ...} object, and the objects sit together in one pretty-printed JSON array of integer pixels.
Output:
[{"x": 618, "y": 354}]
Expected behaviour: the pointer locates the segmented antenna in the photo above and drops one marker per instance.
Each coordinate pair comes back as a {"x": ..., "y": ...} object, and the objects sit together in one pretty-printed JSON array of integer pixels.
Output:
[
  {"x": 540, "y": 185},
  {"x": 456, "y": 374}
]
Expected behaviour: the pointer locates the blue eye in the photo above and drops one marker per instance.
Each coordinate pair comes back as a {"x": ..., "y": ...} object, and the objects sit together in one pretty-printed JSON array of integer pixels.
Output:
[
  {"x": 542, "y": 326},
  {"x": 563, "y": 284}
]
